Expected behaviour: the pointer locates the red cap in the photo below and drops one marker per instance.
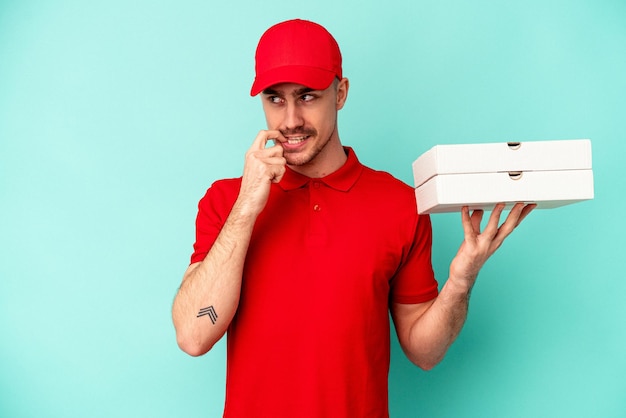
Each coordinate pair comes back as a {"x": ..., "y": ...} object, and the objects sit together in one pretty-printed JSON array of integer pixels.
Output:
[{"x": 296, "y": 51}]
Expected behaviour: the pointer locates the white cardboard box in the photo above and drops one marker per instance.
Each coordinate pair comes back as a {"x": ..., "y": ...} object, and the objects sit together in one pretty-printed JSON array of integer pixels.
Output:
[{"x": 549, "y": 173}]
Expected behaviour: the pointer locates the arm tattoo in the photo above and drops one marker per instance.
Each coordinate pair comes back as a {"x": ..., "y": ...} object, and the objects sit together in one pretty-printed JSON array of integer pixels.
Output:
[{"x": 210, "y": 312}]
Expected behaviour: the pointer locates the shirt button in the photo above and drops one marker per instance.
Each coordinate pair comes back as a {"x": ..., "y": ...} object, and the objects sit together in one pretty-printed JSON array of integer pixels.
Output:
[
  {"x": 317, "y": 208},
  {"x": 316, "y": 184}
]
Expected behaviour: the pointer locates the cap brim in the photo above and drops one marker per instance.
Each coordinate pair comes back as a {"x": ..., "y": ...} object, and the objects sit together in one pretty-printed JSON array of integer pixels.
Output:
[{"x": 314, "y": 78}]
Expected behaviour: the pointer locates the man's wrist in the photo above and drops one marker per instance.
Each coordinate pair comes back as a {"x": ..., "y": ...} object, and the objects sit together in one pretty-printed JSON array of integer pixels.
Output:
[
  {"x": 460, "y": 286},
  {"x": 243, "y": 209}
]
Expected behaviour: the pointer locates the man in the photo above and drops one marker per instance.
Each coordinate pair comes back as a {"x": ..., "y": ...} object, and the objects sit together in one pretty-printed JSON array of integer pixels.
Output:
[{"x": 303, "y": 257}]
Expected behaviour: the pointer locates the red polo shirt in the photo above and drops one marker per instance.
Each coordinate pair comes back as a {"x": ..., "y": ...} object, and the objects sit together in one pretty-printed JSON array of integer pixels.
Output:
[{"x": 311, "y": 333}]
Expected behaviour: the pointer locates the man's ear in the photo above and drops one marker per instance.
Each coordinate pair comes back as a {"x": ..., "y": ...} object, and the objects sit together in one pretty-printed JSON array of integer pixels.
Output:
[{"x": 342, "y": 92}]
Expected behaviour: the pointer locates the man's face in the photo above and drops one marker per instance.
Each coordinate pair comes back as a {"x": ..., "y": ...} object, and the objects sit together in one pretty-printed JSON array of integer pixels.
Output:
[{"x": 307, "y": 118}]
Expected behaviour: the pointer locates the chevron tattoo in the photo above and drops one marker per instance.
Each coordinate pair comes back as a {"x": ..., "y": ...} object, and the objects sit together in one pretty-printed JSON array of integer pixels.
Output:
[{"x": 210, "y": 312}]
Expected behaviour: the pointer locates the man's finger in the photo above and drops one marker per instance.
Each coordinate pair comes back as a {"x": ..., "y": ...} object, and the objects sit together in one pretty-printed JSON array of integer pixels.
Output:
[
  {"x": 494, "y": 220},
  {"x": 466, "y": 221},
  {"x": 276, "y": 137},
  {"x": 260, "y": 141},
  {"x": 263, "y": 136},
  {"x": 517, "y": 214},
  {"x": 279, "y": 172},
  {"x": 477, "y": 218},
  {"x": 511, "y": 221},
  {"x": 527, "y": 209}
]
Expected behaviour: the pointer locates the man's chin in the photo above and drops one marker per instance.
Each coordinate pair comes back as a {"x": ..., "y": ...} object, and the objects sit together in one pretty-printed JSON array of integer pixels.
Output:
[{"x": 295, "y": 161}]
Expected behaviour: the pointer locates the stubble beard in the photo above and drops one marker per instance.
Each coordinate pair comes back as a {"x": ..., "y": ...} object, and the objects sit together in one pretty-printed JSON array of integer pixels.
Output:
[{"x": 295, "y": 158}]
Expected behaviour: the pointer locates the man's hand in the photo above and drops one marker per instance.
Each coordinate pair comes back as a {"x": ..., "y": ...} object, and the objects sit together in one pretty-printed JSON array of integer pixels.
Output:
[
  {"x": 477, "y": 247},
  {"x": 262, "y": 167}
]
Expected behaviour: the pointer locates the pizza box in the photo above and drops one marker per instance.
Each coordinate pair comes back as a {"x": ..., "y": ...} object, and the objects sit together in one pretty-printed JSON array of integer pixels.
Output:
[{"x": 548, "y": 173}]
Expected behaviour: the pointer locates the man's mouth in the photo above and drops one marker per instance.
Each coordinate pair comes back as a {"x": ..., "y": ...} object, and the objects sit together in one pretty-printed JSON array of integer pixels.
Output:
[{"x": 294, "y": 140}]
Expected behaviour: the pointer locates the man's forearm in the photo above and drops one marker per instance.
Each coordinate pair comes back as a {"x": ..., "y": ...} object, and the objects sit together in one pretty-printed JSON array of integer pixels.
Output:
[
  {"x": 433, "y": 333},
  {"x": 209, "y": 294}
]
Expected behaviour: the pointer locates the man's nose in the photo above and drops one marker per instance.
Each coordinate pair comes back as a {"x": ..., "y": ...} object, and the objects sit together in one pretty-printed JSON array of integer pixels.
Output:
[{"x": 293, "y": 116}]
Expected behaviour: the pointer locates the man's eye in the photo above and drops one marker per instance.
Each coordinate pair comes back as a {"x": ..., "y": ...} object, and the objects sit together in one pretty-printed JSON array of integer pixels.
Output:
[
  {"x": 307, "y": 97},
  {"x": 275, "y": 99}
]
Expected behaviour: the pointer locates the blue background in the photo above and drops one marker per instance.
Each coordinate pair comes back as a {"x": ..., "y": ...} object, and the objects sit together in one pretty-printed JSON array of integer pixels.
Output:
[{"x": 116, "y": 116}]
